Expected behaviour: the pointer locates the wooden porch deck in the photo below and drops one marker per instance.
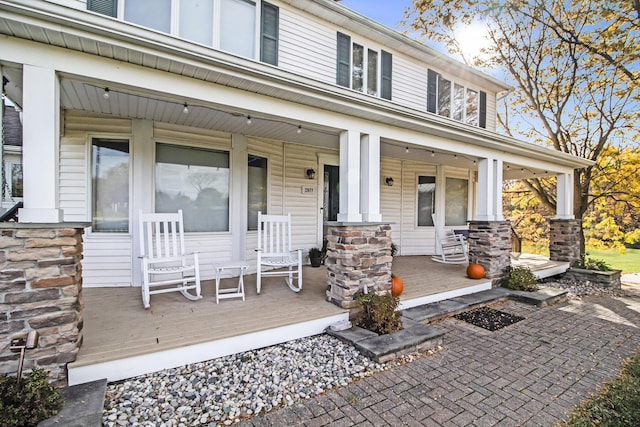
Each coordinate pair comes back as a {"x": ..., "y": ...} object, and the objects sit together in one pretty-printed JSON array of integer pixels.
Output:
[{"x": 122, "y": 339}]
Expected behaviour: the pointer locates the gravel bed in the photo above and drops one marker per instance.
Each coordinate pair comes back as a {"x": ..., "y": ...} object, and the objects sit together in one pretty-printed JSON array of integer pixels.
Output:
[
  {"x": 578, "y": 289},
  {"x": 227, "y": 389}
]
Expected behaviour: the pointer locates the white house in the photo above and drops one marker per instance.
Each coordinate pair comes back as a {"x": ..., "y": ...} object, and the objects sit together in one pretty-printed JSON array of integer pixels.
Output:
[{"x": 224, "y": 108}]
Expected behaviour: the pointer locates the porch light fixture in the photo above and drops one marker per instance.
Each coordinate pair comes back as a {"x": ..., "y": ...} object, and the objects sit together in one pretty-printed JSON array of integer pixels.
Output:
[
  {"x": 433, "y": 153},
  {"x": 406, "y": 149},
  {"x": 248, "y": 120},
  {"x": 389, "y": 181},
  {"x": 105, "y": 94},
  {"x": 310, "y": 173},
  {"x": 299, "y": 131},
  {"x": 185, "y": 109}
]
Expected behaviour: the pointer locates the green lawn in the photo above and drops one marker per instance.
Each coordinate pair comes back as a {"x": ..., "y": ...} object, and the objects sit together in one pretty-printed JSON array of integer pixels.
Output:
[
  {"x": 628, "y": 262},
  {"x": 617, "y": 403}
]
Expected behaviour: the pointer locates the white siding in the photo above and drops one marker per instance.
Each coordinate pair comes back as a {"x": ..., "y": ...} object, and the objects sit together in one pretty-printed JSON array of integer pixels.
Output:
[
  {"x": 307, "y": 47},
  {"x": 391, "y": 197},
  {"x": 409, "y": 83},
  {"x": 107, "y": 260},
  {"x": 415, "y": 240}
]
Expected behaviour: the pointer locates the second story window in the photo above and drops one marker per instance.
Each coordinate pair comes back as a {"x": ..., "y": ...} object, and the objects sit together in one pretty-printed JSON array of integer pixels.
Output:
[
  {"x": 229, "y": 25},
  {"x": 360, "y": 68},
  {"x": 450, "y": 99}
]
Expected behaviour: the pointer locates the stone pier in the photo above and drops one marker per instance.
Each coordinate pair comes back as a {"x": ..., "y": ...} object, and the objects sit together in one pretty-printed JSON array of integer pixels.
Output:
[
  {"x": 358, "y": 256},
  {"x": 564, "y": 240},
  {"x": 490, "y": 246},
  {"x": 41, "y": 290}
]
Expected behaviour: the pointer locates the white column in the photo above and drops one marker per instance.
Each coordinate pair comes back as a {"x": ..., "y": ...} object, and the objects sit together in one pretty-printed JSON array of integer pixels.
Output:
[
  {"x": 564, "y": 202},
  {"x": 497, "y": 194},
  {"x": 489, "y": 193},
  {"x": 239, "y": 203},
  {"x": 40, "y": 143},
  {"x": 349, "y": 177},
  {"x": 370, "y": 182}
]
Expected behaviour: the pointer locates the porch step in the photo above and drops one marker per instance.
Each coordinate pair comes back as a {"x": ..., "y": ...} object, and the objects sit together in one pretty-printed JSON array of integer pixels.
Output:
[
  {"x": 83, "y": 405},
  {"x": 541, "y": 298}
]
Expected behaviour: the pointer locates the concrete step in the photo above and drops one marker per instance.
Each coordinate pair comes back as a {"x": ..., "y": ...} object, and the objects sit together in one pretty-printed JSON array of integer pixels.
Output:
[{"x": 83, "y": 405}]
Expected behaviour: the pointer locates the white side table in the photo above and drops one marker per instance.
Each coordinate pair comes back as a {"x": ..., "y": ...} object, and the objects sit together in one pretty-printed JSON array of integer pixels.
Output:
[{"x": 230, "y": 292}]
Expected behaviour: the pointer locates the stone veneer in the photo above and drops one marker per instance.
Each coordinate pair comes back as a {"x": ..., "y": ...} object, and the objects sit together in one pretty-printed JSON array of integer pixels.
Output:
[
  {"x": 490, "y": 246},
  {"x": 41, "y": 289},
  {"x": 564, "y": 240},
  {"x": 358, "y": 256}
]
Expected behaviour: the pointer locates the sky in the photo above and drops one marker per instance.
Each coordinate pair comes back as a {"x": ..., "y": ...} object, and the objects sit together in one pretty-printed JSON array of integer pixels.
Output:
[{"x": 387, "y": 12}]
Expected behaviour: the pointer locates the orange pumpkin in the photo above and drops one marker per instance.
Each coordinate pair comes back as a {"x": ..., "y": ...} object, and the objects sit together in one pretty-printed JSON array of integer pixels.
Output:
[
  {"x": 475, "y": 271},
  {"x": 396, "y": 286}
]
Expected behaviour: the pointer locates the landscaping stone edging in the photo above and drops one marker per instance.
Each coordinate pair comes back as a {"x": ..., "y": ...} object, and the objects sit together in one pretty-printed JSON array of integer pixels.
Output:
[
  {"x": 608, "y": 279},
  {"x": 83, "y": 405}
]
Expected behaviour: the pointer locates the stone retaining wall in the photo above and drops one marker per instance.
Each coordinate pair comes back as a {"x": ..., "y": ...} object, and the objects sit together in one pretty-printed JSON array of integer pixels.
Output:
[
  {"x": 603, "y": 279},
  {"x": 490, "y": 246},
  {"x": 358, "y": 256},
  {"x": 41, "y": 289}
]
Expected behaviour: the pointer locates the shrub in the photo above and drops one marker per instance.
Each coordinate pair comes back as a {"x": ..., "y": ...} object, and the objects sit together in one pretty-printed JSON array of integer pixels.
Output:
[
  {"x": 379, "y": 313},
  {"x": 594, "y": 264},
  {"x": 36, "y": 401},
  {"x": 520, "y": 279}
]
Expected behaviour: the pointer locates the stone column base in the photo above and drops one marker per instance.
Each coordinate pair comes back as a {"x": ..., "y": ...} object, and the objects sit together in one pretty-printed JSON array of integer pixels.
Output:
[
  {"x": 564, "y": 240},
  {"x": 490, "y": 246},
  {"x": 358, "y": 257}
]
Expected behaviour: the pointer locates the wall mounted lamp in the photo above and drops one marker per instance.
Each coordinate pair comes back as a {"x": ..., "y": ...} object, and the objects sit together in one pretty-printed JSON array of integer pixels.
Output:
[
  {"x": 310, "y": 173},
  {"x": 106, "y": 94},
  {"x": 389, "y": 181}
]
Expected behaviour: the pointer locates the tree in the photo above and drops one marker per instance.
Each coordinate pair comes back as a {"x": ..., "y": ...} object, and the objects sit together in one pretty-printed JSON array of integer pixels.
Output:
[{"x": 574, "y": 67}]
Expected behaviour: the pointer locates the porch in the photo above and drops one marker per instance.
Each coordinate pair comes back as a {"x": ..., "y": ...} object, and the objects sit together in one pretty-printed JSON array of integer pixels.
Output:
[{"x": 122, "y": 340}]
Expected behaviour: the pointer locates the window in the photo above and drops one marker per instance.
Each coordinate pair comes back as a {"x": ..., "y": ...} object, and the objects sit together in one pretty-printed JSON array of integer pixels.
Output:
[
  {"x": 16, "y": 180},
  {"x": 426, "y": 200},
  {"x": 229, "y": 25},
  {"x": 237, "y": 27},
  {"x": 456, "y": 201},
  {"x": 138, "y": 12},
  {"x": 257, "y": 190},
  {"x": 196, "y": 21},
  {"x": 110, "y": 185},
  {"x": 195, "y": 180},
  {"x": 363, "y": 69},
  {"x": 450, "y": 99}
]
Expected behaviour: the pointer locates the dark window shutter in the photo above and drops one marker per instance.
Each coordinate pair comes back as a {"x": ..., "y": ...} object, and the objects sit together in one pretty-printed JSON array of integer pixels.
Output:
[
  {"x": 483, "y": 110},
  {"x": 105, "y": 7},
  {"x": 343, "y": 70},
  {"x": 432, "y": 85},
  {"x": 387, "y": 72},
  {"x": 269, "y": 34}
]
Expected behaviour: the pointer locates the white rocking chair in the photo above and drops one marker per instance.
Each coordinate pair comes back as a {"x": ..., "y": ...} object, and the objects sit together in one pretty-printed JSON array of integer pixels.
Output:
[
  {"x": 451, "y": 248},
  {"x": 275, "y": 253},
  {"x": 163, "y": 257}
]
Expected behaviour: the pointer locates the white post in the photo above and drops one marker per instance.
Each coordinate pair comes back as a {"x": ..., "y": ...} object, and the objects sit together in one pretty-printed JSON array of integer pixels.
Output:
[
  {"x": 564, "y": 202},
  {"x": 370, "y": 173},
  {"x": 497, "y": 191},
  {"x": 239, "y": 187},
  {"x": 41, "y": 140},
  {"x": 486, "y": 190},
  {"x": 349, "y": 177}
]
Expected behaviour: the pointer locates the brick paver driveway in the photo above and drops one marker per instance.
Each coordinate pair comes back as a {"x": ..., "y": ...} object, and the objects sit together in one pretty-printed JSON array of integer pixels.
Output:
[{"x": 530, "y": 373}]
